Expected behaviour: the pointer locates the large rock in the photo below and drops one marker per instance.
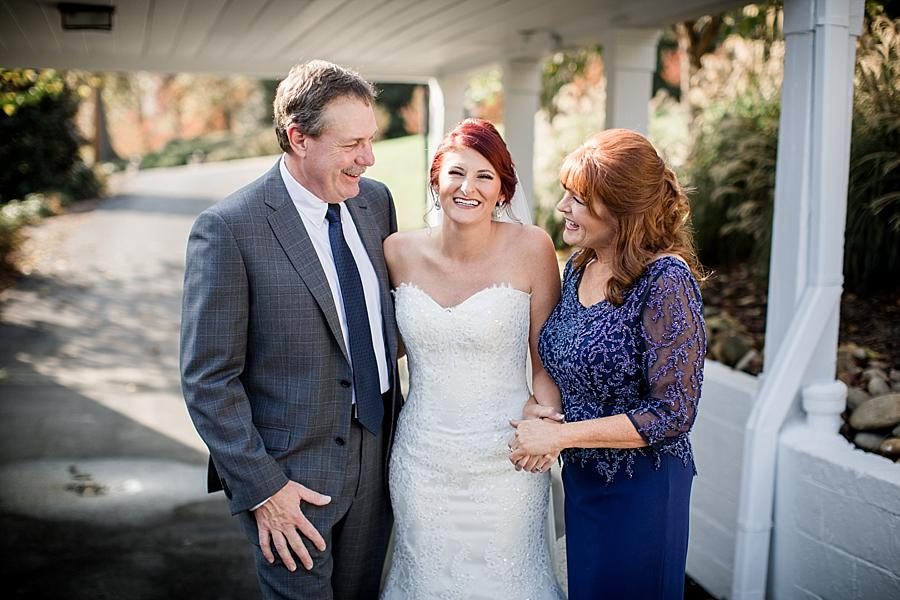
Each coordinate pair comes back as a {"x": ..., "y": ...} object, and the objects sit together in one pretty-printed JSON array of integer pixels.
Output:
[{"x": 883, "y": 411}]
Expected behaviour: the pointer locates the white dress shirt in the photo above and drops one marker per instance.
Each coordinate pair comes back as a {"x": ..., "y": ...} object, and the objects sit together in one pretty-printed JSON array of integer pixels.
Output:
[{"x": 312, "y": 212}]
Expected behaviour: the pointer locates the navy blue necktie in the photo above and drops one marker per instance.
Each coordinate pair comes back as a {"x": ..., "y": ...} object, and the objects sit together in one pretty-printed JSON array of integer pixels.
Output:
[{"x": 366, "y": 384}]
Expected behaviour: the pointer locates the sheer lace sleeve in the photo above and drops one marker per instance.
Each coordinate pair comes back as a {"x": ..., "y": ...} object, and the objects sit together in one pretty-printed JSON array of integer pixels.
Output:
[{"x": 674, "y": 339}]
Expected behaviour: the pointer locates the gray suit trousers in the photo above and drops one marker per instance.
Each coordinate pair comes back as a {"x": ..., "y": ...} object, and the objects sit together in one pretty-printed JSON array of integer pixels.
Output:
[{"x": 350, "y": 566}]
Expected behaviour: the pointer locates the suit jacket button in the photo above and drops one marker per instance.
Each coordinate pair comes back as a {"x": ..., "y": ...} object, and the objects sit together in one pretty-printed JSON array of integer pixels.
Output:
[
  {"x": 345, "y": 383},
  {"x": 339, "y": 441}
]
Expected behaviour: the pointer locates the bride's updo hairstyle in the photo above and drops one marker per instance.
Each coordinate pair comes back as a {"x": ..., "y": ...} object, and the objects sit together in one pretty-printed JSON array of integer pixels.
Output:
[
  {"x": 482, "y": 137},
  {"x": 621, "y": 170}
]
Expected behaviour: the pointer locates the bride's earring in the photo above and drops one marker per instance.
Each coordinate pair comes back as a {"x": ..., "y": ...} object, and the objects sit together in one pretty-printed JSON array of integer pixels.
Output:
[{"x": 499, "y": 209}]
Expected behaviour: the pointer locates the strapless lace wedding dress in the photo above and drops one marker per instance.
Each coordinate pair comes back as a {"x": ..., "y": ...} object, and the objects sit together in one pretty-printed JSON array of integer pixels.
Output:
[{"x": 467, "y": 524}]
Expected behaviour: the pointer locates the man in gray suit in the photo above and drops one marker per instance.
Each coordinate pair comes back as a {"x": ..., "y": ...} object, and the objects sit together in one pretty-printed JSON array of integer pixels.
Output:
[{"x": 289, "y": 345}]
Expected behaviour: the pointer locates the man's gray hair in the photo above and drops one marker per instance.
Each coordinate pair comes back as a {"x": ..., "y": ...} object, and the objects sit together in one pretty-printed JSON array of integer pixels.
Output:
[{"x": 308, "y": 88}]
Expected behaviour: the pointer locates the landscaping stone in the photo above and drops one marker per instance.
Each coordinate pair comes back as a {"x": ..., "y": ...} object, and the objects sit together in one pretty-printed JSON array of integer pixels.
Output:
[
  {"x": 855, "y": 397},
  {"x": 847, "y": 366},
  {"x": 874, "y": 373},
  {"x": 732, "y": 347},
  {"x": 883, "y": 411},
  {"x": 890, "y": 447},
  {"x": 869, "y": 441},
  {"x": 878, "y": 386},
  {"x": 750, "y": 362}
]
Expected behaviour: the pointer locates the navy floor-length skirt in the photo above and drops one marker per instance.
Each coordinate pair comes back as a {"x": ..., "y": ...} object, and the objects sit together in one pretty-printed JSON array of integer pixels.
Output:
[{"x": 628, "y": 539}]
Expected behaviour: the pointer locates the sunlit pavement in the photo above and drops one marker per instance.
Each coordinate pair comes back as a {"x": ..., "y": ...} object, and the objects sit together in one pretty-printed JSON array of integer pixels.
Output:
[{"x": 102, "y": 477}]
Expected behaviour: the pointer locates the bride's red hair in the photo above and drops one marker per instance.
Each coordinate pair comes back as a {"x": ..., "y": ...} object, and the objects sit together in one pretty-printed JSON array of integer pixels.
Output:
[{"x": 482, "y": 137}]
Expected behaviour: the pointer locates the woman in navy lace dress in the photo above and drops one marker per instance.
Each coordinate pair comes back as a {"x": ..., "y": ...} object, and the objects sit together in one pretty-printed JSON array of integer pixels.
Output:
[{"x": 625, "y": 345}]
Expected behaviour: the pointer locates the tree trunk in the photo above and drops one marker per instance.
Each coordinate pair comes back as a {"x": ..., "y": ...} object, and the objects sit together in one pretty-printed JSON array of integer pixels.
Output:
[{"x": 103, "y": 149}]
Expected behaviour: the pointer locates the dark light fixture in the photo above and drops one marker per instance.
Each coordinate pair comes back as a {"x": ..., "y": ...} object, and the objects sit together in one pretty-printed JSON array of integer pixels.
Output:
[{"x": 77, "y": 15}]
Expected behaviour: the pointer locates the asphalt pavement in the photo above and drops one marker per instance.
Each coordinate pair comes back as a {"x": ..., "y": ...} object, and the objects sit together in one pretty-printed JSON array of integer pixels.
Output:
[{"x": 102, "y": 476}]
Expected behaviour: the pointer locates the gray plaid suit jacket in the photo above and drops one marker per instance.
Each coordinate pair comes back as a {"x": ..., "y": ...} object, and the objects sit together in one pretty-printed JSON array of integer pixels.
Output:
[{"x": 264, "y": 368}]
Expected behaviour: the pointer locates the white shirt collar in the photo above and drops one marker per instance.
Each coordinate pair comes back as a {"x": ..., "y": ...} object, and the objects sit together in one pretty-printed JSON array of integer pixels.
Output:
[{"x": 310, "y": 206}]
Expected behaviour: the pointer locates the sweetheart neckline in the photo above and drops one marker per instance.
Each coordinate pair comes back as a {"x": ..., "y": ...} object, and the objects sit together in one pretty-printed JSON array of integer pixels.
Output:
[{"x": 494, "y": 286}]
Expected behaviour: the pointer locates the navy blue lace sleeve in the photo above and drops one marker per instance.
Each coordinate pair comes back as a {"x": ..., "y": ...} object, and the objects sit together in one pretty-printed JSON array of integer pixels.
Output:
[{"x": 674, "y": 342}]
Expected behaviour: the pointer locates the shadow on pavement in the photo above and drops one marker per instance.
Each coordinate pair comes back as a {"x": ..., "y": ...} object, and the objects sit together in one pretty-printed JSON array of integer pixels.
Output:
[
  {"x": 193, "y": 550},
  {"x": 173, "y": 540}
]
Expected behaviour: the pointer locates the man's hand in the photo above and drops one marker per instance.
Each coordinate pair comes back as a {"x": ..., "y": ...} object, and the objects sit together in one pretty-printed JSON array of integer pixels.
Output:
[{"x": 279, "y": 519}]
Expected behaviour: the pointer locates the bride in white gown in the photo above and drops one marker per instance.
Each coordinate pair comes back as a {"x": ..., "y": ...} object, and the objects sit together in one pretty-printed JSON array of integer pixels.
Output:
[{"x": 471, "y": 296}]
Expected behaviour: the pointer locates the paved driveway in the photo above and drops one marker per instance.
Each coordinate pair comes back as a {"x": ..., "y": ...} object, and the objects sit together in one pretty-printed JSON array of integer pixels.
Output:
[{"x": 101, "y": 473}]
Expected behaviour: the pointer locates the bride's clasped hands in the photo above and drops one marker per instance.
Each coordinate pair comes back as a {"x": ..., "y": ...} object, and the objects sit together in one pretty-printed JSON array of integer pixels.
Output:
[{"x": 534, "y": 445}]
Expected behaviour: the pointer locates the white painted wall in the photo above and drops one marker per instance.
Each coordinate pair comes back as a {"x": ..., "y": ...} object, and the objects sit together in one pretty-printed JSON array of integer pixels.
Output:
[
  {"x": 837, "y": 520},
  {"x": 718, "y": 440},
  {"x": 837, "y": 508}
]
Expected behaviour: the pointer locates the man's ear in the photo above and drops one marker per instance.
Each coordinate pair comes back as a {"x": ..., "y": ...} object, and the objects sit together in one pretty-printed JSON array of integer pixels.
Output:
[{"x": 299, "y": 141}]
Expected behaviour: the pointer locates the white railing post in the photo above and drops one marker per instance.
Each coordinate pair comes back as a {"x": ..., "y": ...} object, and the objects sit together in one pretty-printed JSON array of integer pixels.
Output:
[{"x": 806, "y": 269}]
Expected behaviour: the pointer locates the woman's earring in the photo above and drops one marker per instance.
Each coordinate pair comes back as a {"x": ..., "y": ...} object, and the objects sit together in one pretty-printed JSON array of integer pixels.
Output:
[{"x": 499, "y": 209}]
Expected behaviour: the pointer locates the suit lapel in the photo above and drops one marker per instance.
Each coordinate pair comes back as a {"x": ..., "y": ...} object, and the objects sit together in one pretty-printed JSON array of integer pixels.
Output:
[{"x": 288, "y": 228}]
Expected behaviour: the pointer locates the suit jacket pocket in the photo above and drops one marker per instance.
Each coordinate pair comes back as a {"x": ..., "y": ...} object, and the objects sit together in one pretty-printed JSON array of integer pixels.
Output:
[{"x": 274, "y": 438}]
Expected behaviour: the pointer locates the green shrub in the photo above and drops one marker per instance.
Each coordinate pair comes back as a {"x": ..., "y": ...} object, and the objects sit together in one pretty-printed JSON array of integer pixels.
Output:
[
  {"x": 731, "y": 166},
  {"x": 872, "y": 250},
  {"x": 40, "y": 142},
  {"x": 732, "y": 161},
  {"x": 15, "y": 214}
]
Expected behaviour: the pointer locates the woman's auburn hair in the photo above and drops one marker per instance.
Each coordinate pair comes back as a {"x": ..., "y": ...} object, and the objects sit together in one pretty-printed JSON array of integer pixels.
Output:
[{"x": 621, "y": 170}]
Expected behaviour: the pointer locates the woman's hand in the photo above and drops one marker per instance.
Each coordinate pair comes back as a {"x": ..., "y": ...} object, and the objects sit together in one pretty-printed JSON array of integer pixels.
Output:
[
  {"x": 535, "y": 439},
  {"x": 535, "y": 410}
]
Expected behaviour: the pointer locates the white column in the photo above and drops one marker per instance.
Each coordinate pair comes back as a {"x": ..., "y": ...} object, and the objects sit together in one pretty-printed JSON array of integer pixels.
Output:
[
  {"x": 806, "y": 269},
  {"x": 629, "y": 59},
  {"x": 521, "y": 101},
  {"x": 446, "y": 107}
]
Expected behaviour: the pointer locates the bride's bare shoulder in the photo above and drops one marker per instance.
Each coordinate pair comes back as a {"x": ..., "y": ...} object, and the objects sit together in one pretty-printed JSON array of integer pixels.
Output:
[
  {"x": 399, "y": 247},
  {"x": 529, "y": 240},
  {"x": 400, "y": 240}
]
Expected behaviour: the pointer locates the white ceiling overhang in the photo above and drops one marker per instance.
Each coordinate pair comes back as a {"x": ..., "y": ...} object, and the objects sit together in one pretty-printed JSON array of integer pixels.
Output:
[{"x": 386, "y": 40}]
